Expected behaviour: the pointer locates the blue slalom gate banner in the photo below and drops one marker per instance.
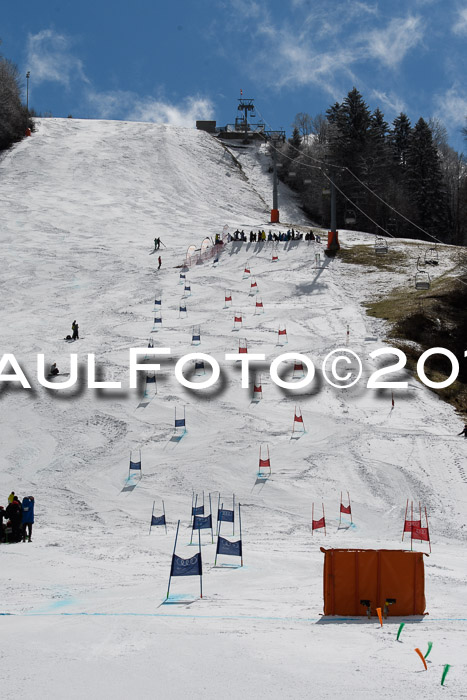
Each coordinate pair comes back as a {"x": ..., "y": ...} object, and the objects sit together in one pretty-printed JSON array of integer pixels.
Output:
[
  {"x": 226, "y": 516},
  {"x": 158, "y": 519},
  {"x": 202, "y": 523},
  {"x": 186, "y": 567},
  {"x": 198, "y": 510},
  {"x": 179, "y": 422},
  {"x": 224, "y": 546},
  {"x": 135, "y": 465},
  {"x": 230, "y": 548}
]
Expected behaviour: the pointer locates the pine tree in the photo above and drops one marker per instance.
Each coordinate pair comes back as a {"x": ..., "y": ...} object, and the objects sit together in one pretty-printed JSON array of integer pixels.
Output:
[
  {"x": 424, "y": 181},
  {"x": 400, "y": 138}
]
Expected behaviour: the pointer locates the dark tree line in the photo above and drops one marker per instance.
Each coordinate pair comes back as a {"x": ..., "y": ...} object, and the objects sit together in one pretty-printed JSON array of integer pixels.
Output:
[
  {"x": 14, "y": 116},
  {"x": 411, "y": 167}
]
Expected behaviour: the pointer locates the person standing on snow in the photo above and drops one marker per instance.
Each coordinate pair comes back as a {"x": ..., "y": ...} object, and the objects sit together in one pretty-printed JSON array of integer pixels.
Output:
[
  {"x": 75, "y": 329},
  {"x": 13, "y": 512},
  {"x": 160, "y": 262},
  {"x": 464, "y": 432},
  {"x": 11, "y": 497},
  {"x": 27, "y": 518}
]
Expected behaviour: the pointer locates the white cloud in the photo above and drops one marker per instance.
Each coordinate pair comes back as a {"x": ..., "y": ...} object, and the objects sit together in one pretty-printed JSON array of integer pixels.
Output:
[
  {"x": 460, "y": 27},
  {"x": 129, "y": 106},
  {"x": 49, "y": 58},
  {"x": 451, "y": 107},
  {"x": 390, "y": 44},
  {"x": 391, "y": 101}
]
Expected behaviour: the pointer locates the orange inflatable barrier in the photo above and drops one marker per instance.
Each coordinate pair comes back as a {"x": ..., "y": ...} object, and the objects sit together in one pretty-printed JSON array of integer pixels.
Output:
[
  {"x": 274, "y": 216},
  {"x": 358, "y": 581}
]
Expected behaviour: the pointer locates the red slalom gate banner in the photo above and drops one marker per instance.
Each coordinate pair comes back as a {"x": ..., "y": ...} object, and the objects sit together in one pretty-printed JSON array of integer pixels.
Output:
[
  {"x": 346, "y": 510},
  {"x": 317, "y": 524}
]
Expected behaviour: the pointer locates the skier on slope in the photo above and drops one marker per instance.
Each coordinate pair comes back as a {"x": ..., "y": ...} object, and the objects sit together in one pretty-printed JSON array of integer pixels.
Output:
[
  {"x": 464, "y": 432},
  {"x": 159, "y": 260},
  {"x": 75, "y": 329}
]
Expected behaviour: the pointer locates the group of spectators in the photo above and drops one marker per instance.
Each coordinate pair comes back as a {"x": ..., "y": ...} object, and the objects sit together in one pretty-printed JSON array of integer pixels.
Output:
[
  {"x": 16, "y": 519},
  {"x": 261, "y": 235}
]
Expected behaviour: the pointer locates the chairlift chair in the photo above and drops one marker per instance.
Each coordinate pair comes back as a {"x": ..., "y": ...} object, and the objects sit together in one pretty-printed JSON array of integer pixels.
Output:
[
  {"x": 350, "y": 217},
  {"x": 422, "y": 280},
  {"x": 381, "y": 246},
  {"x": 432, "y": 256}
]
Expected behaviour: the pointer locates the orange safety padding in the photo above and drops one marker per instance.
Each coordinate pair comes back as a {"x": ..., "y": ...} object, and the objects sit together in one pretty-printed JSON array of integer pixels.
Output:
[
  {"x": 352, "y": 575},
  {"x": 274, "y": 216},
  {"x": 333, "y": 240}
]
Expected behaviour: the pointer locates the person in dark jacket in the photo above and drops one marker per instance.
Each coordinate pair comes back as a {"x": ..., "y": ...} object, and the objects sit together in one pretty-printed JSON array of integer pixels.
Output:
[
  {"x": 75, "y": 329},
  {"x": 3, "y": 516},
  {"x": 13, "y": 512},
  {"x": 159, "y": 260},
  {"x": 54, "y": 370},
  {"x": 464, "y": 432},
  {"x": 27, "y": 518}
]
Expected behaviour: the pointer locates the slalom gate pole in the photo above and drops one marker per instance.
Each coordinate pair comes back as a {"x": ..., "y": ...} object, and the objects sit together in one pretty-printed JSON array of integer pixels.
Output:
[
  {"x": 405, "y": 519},
  {"x": 192, "y": 502},
  {"x": 324, "y": 520},
  {"x": 312, "y": 517},
  {"x": 200, "y": 559},
  {"x": 411, "y": 527},
  {"x": 175, "y": 544},
  {"x": 240, "y": 526},
  {"x": 218, "y": 533},
  {"x": 193, "y": 520},
  {"x": 421, "y": 656},
  {"x": 233, "y": 508},
  {"x": 153, "y": 503},
  {"x": 165, "y": 519},
  {"x": 420, "y": 512},
  {"x": 210, "y": 512},
  {"x": 427, "y": 530},
  {"x": 351, "y": 519},
  {"x": 293, "y": 424},
  {"x": 340, "y": 512},
  {"x": 401, "y": 627},
  {"x": 445, "y": 673},
  {"x": 218, "y": 504}
]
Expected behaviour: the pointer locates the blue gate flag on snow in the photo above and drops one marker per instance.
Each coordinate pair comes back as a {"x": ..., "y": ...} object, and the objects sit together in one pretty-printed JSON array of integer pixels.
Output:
[
  {"x": 151, "y": 380},
  {"x": 199, "y": 510},
  {"x": 226, "y": 516},
  {"x": 186, "y": 567},
  {"x": 179, "y": 422},
  {"x": 199, "y": 365},
  {"x": 135, "y": 465},
  {"x": 202, "y": 523},
  {"x": 158, "y": 302},
  {"x": 231, "y": 548},
  {"x": 158, "y": 320},
  {"x": 158, "y": 520}
]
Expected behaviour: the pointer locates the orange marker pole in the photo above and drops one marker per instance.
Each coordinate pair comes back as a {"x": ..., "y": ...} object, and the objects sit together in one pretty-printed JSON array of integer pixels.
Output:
[
  {"x": 378, "y": 610},
  {"x": 421, "y": 656}
]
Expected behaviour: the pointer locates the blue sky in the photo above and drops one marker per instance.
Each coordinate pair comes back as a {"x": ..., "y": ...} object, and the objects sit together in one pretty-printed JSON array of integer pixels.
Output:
[{"x": 174, "y": 62}]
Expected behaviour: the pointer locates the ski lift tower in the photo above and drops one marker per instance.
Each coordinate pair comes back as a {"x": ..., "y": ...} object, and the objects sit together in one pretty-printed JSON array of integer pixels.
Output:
[
  {"x": 246, "y": 106},
  {"x": 275, "y": 138}
]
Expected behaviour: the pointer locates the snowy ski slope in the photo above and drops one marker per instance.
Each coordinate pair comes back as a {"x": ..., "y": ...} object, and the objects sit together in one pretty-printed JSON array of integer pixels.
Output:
[{"x": 82, "y": 611}]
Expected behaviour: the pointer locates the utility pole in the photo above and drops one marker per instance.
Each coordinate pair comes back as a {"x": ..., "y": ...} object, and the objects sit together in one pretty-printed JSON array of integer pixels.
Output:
[
  {"x": 333, "y": 236},
  {"x": 333, "y": 208},
  {"x": 275, "y": 138},
  {"x": 27, "y": 89}
]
